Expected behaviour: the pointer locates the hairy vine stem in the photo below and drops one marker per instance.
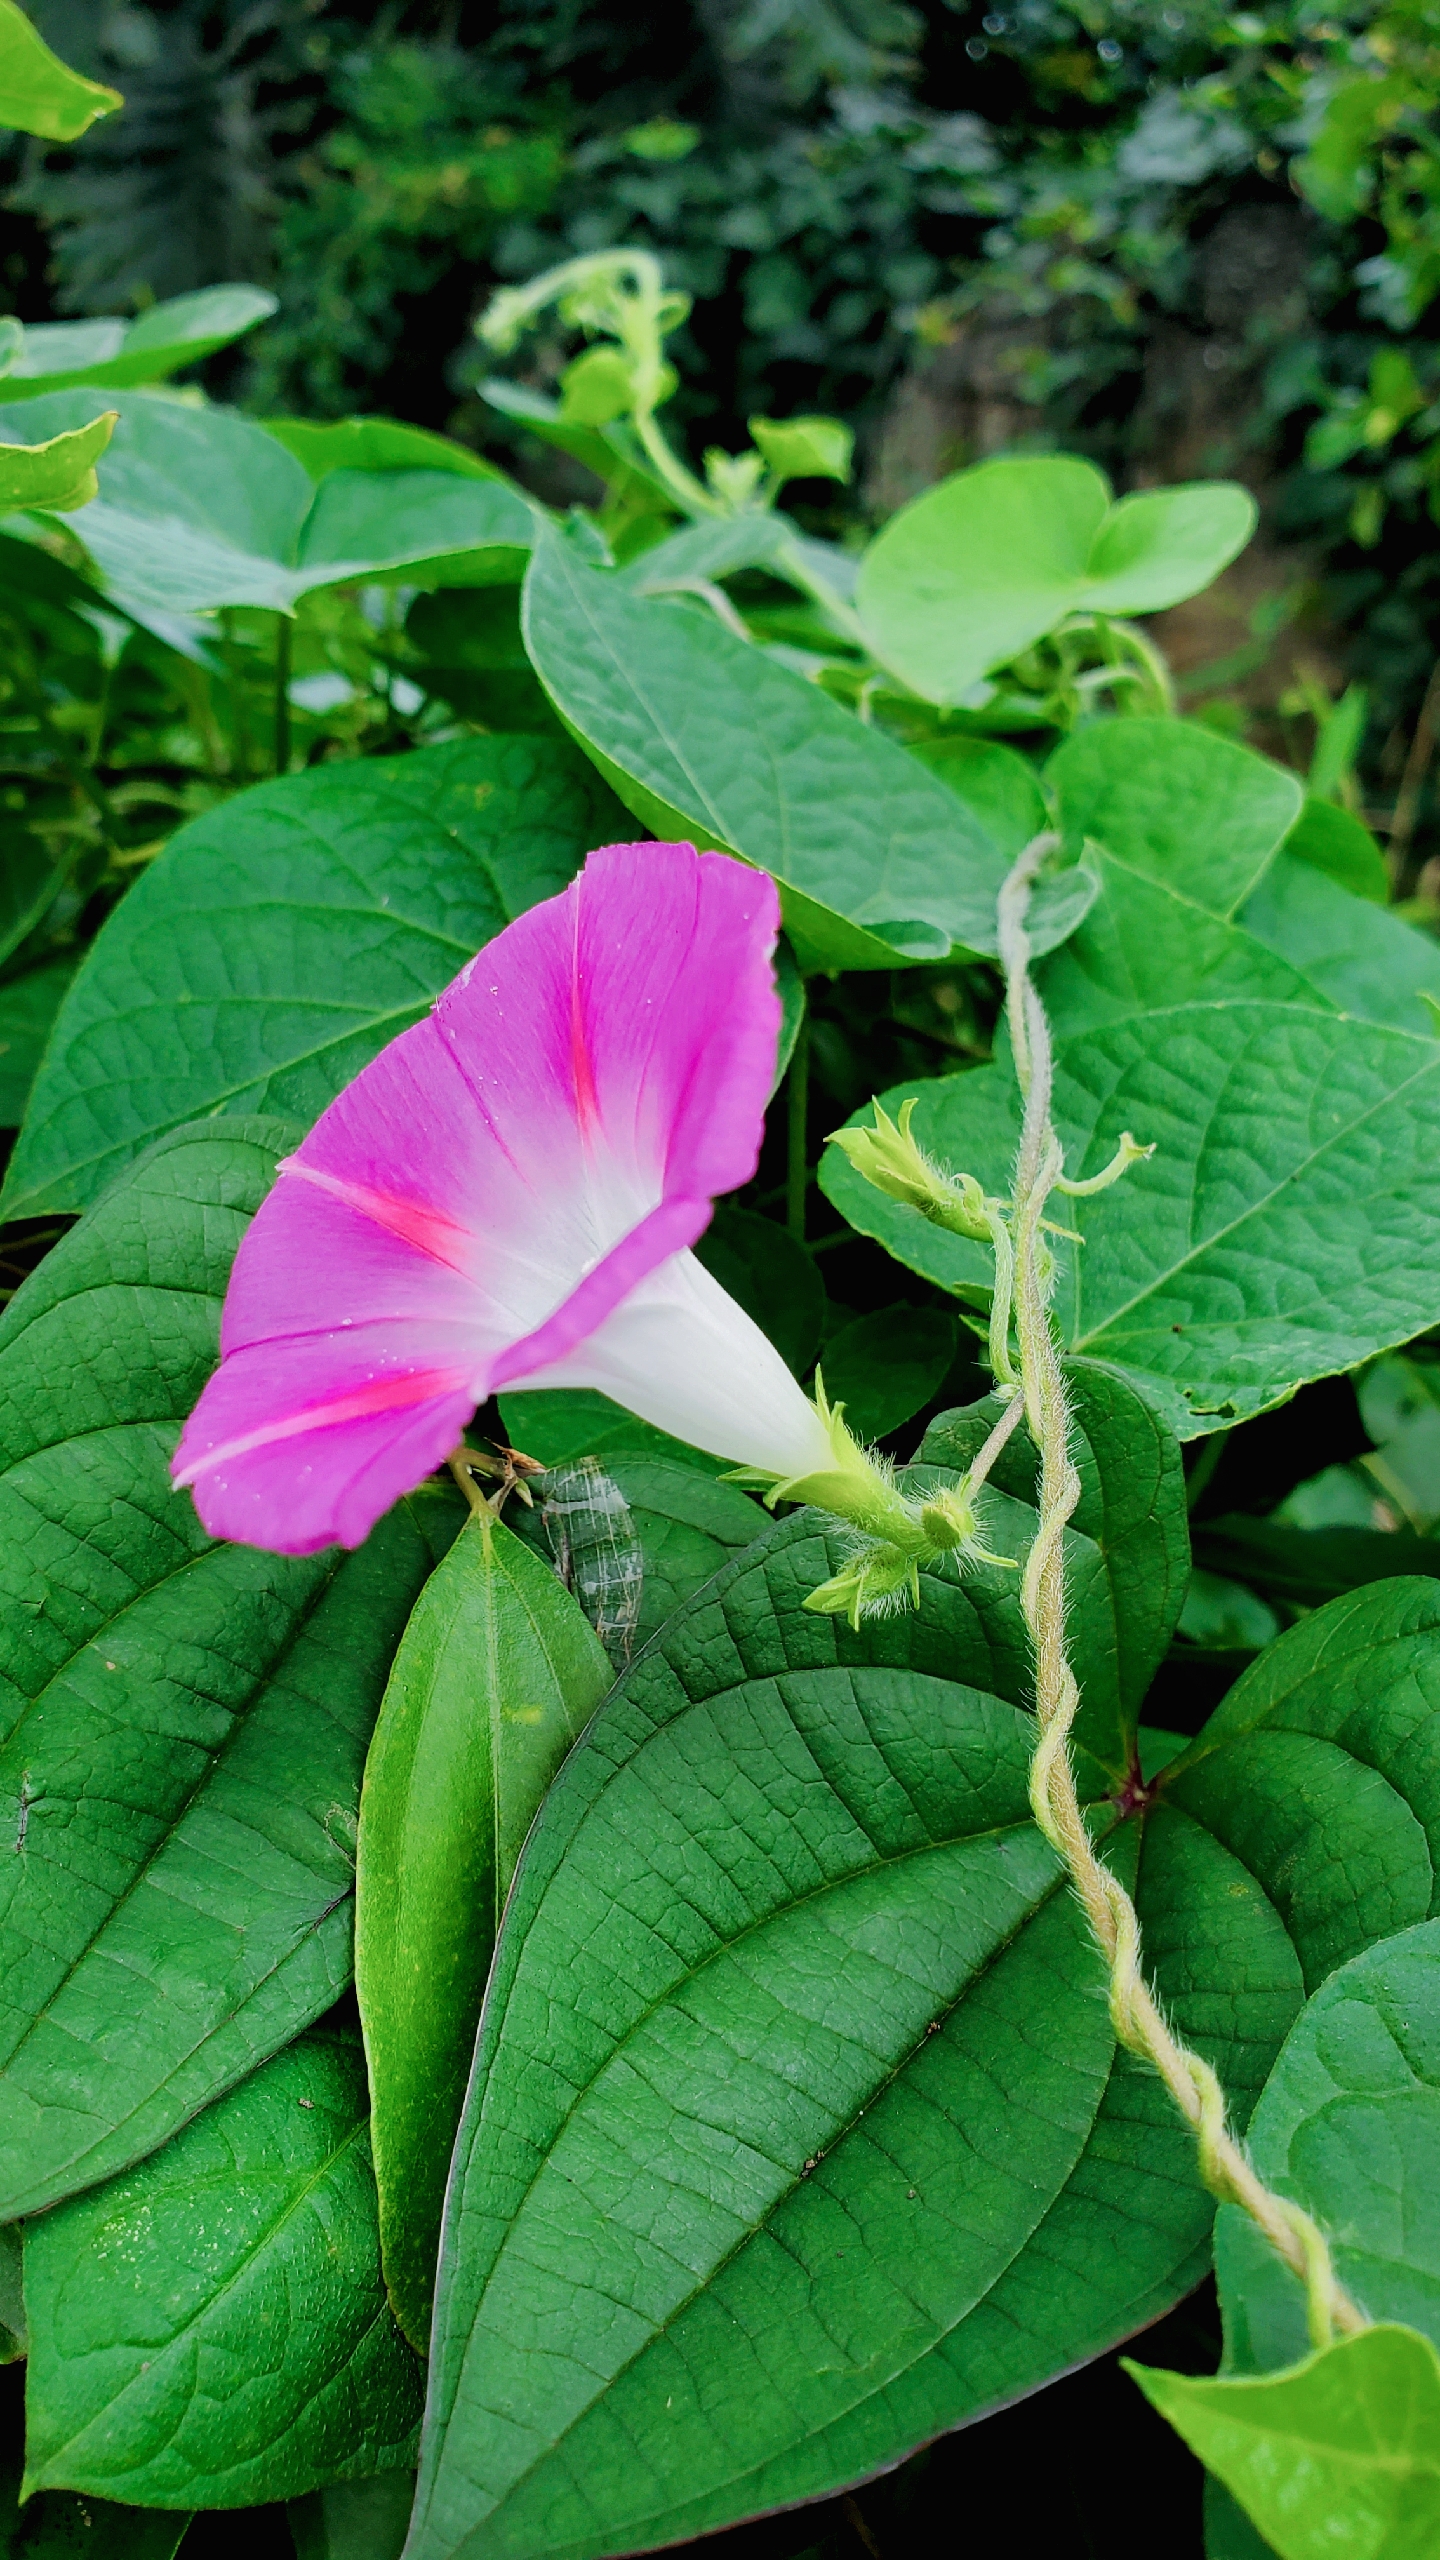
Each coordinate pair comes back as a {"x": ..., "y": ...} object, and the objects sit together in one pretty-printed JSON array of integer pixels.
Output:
[{"x": 1135, "y": 2014}]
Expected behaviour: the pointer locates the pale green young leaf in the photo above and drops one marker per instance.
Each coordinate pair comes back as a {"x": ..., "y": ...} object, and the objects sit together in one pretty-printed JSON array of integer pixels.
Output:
[
  {"x": 972, "y": 572},
  {"x": 278, "y": 942},
  {"x": 494, "y": 1678},
  {"x": 57, "y": 474},
  {"x": 247, "y": 2249},
  {"x": 184, "y": 1724},
  {"x": 323, "y": 445},
  {"x": 1337, "y": 2458},
  {"x": 39, "y": 93},
  {"x": 200, "y": 508},
  {"x": 65, "y": 355}
]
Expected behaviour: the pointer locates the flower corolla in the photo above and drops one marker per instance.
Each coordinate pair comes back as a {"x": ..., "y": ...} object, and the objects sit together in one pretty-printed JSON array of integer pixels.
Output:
[{"x": 507, "y": 1196}]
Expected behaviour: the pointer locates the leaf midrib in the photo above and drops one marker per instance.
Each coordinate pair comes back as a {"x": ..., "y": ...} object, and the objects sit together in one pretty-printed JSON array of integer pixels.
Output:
[{"x": 747, "y": 2238}]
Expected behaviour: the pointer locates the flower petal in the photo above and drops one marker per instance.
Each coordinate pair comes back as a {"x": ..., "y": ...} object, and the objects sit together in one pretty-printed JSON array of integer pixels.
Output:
[
  {"x": 678, "y": 1351},
  {"x": 304, "y": 1443},
  {"x": 489, "y": 1189}
]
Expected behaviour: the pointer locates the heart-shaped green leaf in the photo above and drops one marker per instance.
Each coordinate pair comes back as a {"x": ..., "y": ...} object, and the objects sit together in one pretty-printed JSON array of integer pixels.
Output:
[
  {"x": 1348, "y": 2126},
  {"x": 185, "y": 1724},
  {"x": 39, "y": 93},
  {"x": 277, "y": 943},
  {"x": 876, "y": 860},
  {"x": 201, "y": 508},
  {"x": 1337, "y": 2459},
  {"x": 64, "y": 355},
  {"x": 1176, "y": 804},
  {"x": 494, "y": 1678},
  {"x": 796, "y": 2133},
  {"x": 247, "y": 2249},
  {"x": 971, "y": 572},
  {"x": 1286, "y": 1226}
]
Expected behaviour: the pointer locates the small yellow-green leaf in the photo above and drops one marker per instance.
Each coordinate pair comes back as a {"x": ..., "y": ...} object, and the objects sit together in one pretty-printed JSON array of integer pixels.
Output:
[
  {"x": 58, "y": 475},
  {"x": 496, "y": 1674},
  {"x": 38, "y": 92},
  {"x": 1336, "y": 2459}
]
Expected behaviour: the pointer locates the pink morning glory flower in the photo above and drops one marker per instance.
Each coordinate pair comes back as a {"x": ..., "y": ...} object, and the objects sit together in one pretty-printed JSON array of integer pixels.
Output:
[{"x": 506, "y": 1196}]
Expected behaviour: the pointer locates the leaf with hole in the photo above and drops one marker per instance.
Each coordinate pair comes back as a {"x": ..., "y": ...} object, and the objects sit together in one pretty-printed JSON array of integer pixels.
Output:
[
  {"x": 200, "y": 508},
  {"x": 278, "y": 942},
  {"x": 184, "y": 1724},
  {"x": 796, "y": 2134},
  {"x": 971, "y": 573},
  {"x": 211, "y": 2329},
  {"x": 117, "y": 355},
  {"x": 876, "y": 860},
  {"x": 494, "y": 1678}
]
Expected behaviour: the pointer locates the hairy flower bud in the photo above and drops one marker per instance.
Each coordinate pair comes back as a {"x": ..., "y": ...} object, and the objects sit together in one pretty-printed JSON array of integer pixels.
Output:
[{"x": 895, "y": 1163}]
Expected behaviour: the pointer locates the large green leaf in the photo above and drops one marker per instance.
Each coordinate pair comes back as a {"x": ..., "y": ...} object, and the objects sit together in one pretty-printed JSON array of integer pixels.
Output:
[
  {"x": 211, "y": 2329},
  {"x": 200, "y": 508},
  {"x": 39, "y": 93},
  {"x": 185, "y": 1723},
  {"x": 1286, "y": 1227},
  {"x": 796, "y": 2133},
  {"x": 1334, "y": 842},
  {"x": 1337, "y": 2459},
  {"x": 1145, "y": 947},
  {"x": 1177, "y": 804},
  {"x": 277, "y": 943},
  {"x": 1349, "y": 2126},
  {"x": 1362, "y": 959},
  {"x": 971, "y": 572},
  {"x": 495, "y": 1676},
  {"x": 705, "y": 737},
  {"x": 63, "y": 355}
]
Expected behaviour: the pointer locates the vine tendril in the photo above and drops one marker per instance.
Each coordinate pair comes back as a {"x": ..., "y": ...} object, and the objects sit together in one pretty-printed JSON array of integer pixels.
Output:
[{"x": 1135, "y": 2014}]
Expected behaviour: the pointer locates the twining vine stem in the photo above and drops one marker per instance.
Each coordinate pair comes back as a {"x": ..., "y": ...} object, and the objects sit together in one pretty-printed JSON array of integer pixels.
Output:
[{"x": 1135, "y": 2014}]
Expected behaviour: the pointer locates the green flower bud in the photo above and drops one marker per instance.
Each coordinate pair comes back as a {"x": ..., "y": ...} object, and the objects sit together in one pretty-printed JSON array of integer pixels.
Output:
[{"x": 896, "y": 1164}]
